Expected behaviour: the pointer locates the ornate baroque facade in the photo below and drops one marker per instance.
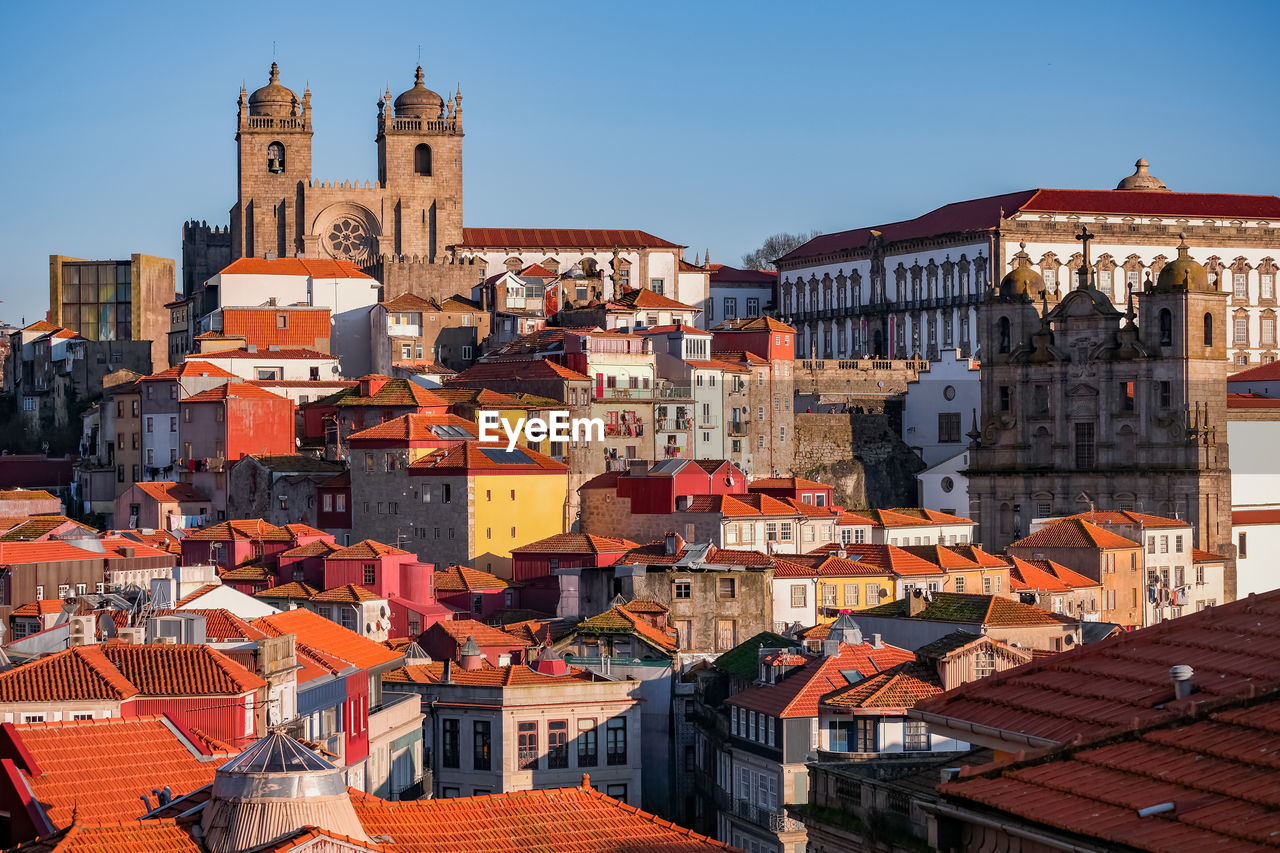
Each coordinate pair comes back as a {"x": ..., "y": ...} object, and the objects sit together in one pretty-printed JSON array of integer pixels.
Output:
[
  {"x": 916, "y": 287},
  {"x": 1084, "y": 407}
]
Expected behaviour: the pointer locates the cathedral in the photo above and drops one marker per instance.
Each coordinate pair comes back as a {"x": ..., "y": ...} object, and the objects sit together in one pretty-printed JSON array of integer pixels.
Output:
[
  {"x": 406, "y": 227},
  {"x": 1084, "y": 407}
]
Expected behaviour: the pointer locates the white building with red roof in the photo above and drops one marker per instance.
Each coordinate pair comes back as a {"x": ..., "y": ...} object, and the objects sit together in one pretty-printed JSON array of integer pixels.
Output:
[{"x": 915, "y": 286}]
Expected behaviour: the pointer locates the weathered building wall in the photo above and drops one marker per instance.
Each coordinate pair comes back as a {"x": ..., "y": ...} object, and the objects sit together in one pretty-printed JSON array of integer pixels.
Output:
[{"x": 862, "y": 455}]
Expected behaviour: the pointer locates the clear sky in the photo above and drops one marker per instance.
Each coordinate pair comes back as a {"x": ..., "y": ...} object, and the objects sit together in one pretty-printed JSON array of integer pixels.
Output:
[{"x": 712, "y": 124}]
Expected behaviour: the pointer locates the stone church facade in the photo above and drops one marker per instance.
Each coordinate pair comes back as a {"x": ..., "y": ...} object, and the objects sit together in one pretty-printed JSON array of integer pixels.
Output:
[
  {"x": 406, "y": 227},
  {"x": 1083, "y": 406},
  {"x": 917, "y": 287}
]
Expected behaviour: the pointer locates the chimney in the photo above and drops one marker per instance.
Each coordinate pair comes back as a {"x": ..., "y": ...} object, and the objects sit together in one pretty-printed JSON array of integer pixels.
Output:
[
  {"x": 675, "y": 543},
  {"x": 1182, "y": 685},
  {"x": 469, "y": 655},
  {"x": 916, "y": 602},
  {"x": 251, "y": 347},
  {"x": 447, "y": 677},
  {"x": 876, "y": 642}
]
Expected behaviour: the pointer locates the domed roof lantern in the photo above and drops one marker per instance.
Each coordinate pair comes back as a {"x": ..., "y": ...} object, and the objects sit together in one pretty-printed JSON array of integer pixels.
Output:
[
  {"x": 1022, "y": 281},
  {"x": 419, "y": 102},
  {"x": 1141, "y": 179},
  {"x": 270, "y": 789},
  {"x": 273, "y": 99},
  {"x": 1184, "y": 274}
]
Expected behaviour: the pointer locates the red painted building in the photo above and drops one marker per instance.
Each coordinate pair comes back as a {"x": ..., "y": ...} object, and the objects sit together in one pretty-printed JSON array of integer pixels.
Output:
[
  {"x": 795, "y": 488},
  {"x": 763, "y": 336},
  {"x": 235, "y": 420},
  {"x": 391, "y": 573},
  {"x": 534, "y": 565},
  {"x": 229, "y": 544},
  {"x": 654, "y": 490},
  {"x": 471, "y": 591},
  {"x": 444, "y": 641}
]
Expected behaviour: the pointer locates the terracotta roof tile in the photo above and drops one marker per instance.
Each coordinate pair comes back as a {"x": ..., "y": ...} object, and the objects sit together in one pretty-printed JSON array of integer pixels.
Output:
[
  {"x": 897, "y": 688},
  {"x": 220, "y": 625},
  {"x": 797, "y": 694},
  {"x": 786, "y": 483},
  {"x": 1215, "y": 765},
  {"x": 541, "y": 368},
  {"x": 992, "y": 610},
  {"x": 191, "y": 367},
  {"x": 393, "y": 393},
  {"x": 463, "y": 578},
  {"x": 619, "y": 620},
  {"x": 562, "y": 238},
  {"x": 1074, "y": 533},
  {"x": 1046, "y": 576},
  {"x": 317, "y": 633},
  {"x": 576, "y": 543},
  {"x": 643, "y": 298},
  {"x": 912, "y": 517},
  {"x": 180, "y": 670},
  {"x": 484, "y": 635},
  {"x": 247, "y": 574},
  {"x": 572, "y": 820},
  {"x": 315, "y": 548},
  {"x": 260, "y": 325},
  {"x": 233, "y": 390},
  {"x": 488, "y": 675},
  {"x": 164, "y": 835},
  {"x": 310, "y": 267},
  {"x": 366, "y": 549},
  {"x": 475, "y": 456},
  {"x": 754, "y": 324},
  {"x": 1124, "y": 680},
  {"x": 38, "y": 526},
  {"x": 416, "y": 427},
  {"x": 293, "y": 589},
  {"x": 169, "y": 492},
  {"x": 346, "y": 594},
  {"x": 81, "y": 673}
]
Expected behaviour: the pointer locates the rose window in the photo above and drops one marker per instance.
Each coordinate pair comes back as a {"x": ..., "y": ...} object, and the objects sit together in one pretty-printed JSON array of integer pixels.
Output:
[{"x": 348, "y": 239}]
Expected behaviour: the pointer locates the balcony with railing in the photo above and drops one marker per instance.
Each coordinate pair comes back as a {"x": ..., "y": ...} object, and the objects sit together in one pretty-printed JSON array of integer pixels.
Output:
[
  {"x": 674, "y": 424},
  {"x": 774, "y": 821},
  {"x": 660, "y": 391},
  {"x": 736, "y": 427},
  {"x": 397, "y": 711}
]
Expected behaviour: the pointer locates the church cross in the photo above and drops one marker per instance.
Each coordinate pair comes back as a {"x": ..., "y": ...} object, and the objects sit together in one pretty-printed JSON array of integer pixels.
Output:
[{"x": 1085, "y": 271}]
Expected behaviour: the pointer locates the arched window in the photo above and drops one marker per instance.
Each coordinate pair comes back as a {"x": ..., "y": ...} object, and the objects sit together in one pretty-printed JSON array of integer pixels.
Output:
[
  {"x": 422, "y": 160},
  {"x": 1208, "y": 330},
  {"x": 275, "y": 158},
  {"x": 1005, "y": 342},
  {"x": 1166, "y": 327}
]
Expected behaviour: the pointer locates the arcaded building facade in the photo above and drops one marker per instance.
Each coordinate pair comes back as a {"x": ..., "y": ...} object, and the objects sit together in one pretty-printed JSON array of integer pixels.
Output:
[{"x": 1083, "y": 406}]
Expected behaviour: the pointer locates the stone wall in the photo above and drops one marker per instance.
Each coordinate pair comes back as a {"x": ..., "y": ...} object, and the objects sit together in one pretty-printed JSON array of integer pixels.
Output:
[{"x": 862, "y": 455}]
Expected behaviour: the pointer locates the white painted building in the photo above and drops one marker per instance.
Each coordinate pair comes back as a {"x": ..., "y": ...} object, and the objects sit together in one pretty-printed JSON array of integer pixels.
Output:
[
  {"x": 339, "y": 286},
  {"x": 1253, "y": 430},
  {"x": 944, "y": 487},
  {"x": 939, "y": 405},
  {"x": 273, "y": 363},
  {"x": 739, "y": 293},
  {"x": 795, "y": 596}
]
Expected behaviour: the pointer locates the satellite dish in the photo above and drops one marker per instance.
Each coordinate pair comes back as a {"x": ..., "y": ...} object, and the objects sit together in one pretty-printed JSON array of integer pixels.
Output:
[{"x": 106, "y": 625}]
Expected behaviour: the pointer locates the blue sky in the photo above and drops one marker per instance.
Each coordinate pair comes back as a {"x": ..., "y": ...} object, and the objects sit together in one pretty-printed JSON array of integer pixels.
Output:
[{"x": 708, "y": 123}]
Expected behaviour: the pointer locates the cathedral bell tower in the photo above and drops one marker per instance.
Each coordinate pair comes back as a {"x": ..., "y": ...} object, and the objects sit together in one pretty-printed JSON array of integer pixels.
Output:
[
  {"x": 420, "y": 166},
  {"x": 273, "y": 165}
]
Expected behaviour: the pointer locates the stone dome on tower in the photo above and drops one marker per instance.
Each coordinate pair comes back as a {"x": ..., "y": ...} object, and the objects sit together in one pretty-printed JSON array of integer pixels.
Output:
[
  {"x": 419, "y": 102},
  {"x": 1184, "y": 274},
  {"x": 1141, "y": 179},
  {"x": 273, "y": 99},
  {"x": 1022, "y": 280}
]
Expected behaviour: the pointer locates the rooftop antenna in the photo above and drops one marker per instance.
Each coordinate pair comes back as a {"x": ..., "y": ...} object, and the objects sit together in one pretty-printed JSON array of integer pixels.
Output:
[
  {"x": 273, "y": 49},
  {"x": 419, "y": 54}
]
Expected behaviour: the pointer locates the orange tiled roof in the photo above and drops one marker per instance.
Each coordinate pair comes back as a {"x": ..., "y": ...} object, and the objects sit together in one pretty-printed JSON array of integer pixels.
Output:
[
  {"x": 797, "y": 695},
  {"x": 959, "y": 607},
  {"x": 540, "y": 368},
  {"x": 250, "y": 529},
  {"x": 580, "y": 820},
  {"x": 180, "y": 670},
  {"x": 786, "y": 483},
  {"x": 220, "y": 625},
  {"x": 1200, "y": 556},
  {"x": 80, "y": 673},
  {"x": 1074, "y": 533},
  {"x": 894, "y": 689},
  {"x": 259, "y": 325},
  {"x": 26, "y": 495},
  {"x": 754, "y": 324},
  {"x": 1046, "y": 576},
  {"x": 416, "y": 427},
  {"x": 317, "y": 632},
  {"x": 619, "y": 620},
  {"x": 43, "y": 607},
  {"x": 643, "y": 298},
  {"x": 1103, "y": 517},
  {"x": 233, "y": 390},
  {"x": 488, "y": 675},
  {"x": 562, "y": 238},
  {"x": 979, "y": 556},
  {"x": 1123, "y": 681},
  {"x": 97, "y": 769},
  {"x": 315, "y": 548},
  {"x": 130, "y": 837},
  {"x": 576, "y": 543},
  {"x": 1215, "y": 766},
  {"x": 366, "y": 549},
  {"x": 913, "y": 517},
  {"x": 191, "y": 367},
  {"x": 394, "y": 393},
  {"x": 248, "y": 573},
  {"x": 169, "y": 492},
  {"x": 36, "y": 526},
  {"x": 346, "y": 594},
  {"x": 311, "y": 267},
  {"x": 753, "y": 503},
  {"x": 655, "y": 554},
  {"x": 293, "y": 589},
  {"x": 462, "y": 578},
  {"x": 484, "y": 635},
  {"x": 474, "y": 456},
  {"x": 886, "y": 558}
]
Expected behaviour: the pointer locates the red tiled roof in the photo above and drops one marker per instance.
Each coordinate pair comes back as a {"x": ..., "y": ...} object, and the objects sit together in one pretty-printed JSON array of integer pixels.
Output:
[
  {"x": 220, "y": 625},
  {"x": 752, "y": 503},
  {"x": 415, "y": 427},
  {"x": 912, "y": 517},
  {"x": 192, "y": 596},
  {"x": 889, "y": 559},
  {"x": 724, "y": 274},
  {"x": 576, "y": 820},
  {"x": 540, "y": 368},
  {"x": 131, "y": 837},
  {"x": 282, "y": 353},
  {"x": 798, "y": 694},
  {"x": 1074, "y": 533},
  {"x": 1238, "y": 516},
  {"x": 488, "y": 675},
  {"x": 786, "y": 483},
  {"x": 484, "y": 635},
  {"x": 463, "y": 578},
  {"x": 232, "y": 390},
  {"x": 180, "y": 670},
  {"x": 13, "y": 553},
  {"x": 983, "y": 214},
  {"x": 39, "y": 526},
  {"x": 393, "y": 393},
  {"x": 979, "y": 556},
  {"x": 317, "y": 632},
  {"x": 191, "y": 367},
  {"x": 43, "y": 607},
  {"x": 1215, "y": 766},
  {"x": 1102, "y": 517},
  {"x": 655, "y": 554},
  {"x": 562, "y": 238},
  {"x": 1199, "y": 556},
  {"x": 315, "y": 548},
  {"x": 576, "y": 543},
  {"x": 1046, "y": 576},
  {"x": 644, "y": 298},
  {"x": 260, "y": 325},
  {"x": 293, "y": 589},
  {"x": 247, "y": 573},
  {"x": 620, "y": 620},
  {"x": 1252, "y": 401},
  {"x": 366, "y": 549},
  {"x": 346, "y": 594},
  {"x": 80, "y": 673},
  {"x": 754, "y": 324},
  {"x": 894, "y": 689},
  {"x": 97, "y": 769},
  {"x": 168, "y": 492},
  {"x": 26, "y": 495},
  {"x": 311, "y": 267},
  {"x": 1123, "y": 681},
  {"x": 474, "y": 456}
]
